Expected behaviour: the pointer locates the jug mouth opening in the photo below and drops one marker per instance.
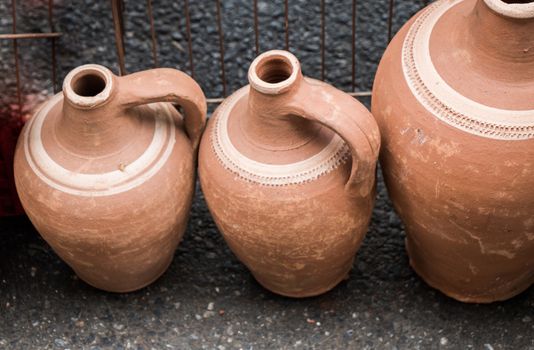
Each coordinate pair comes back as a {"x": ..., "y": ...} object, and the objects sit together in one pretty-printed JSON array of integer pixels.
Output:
[
  {"x": 88, "y": 86},
  {"x": 274, "y": 72},
  {"x": 519, "y": 9}
]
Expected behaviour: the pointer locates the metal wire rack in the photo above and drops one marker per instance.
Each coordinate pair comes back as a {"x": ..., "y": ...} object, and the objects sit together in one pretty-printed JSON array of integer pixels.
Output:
[
  {"x": 52, "y": 35},
  {"x": 117, "y": 7}
]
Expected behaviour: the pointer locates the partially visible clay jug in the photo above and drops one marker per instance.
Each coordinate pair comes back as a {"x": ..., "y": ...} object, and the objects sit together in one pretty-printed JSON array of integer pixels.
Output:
[
  {"x": 106, "y": 172},
  {"x": 454, "y": 98},
  {"x": 287, "y": 166}
]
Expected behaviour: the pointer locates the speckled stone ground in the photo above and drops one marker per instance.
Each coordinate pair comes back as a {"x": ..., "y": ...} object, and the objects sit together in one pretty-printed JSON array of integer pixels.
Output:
[{"x": 207, "y": 299}]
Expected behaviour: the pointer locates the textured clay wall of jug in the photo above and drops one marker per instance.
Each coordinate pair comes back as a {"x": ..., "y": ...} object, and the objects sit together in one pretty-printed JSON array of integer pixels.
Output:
[
  {"x": 454, "y": 98},
  {"x": 107, "y": 175},
  {"x": 287, "y": 166}
]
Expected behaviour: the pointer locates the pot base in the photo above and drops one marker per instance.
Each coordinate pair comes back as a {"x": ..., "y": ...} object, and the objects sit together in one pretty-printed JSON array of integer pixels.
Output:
[
  {"x": 504, "y": 293},
  {"x": 130, "y": 289},
  {"x": 307, "y": 294}
]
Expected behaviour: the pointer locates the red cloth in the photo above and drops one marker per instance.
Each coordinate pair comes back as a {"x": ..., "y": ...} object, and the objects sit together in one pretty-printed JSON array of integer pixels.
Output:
[{"x": 10, "y": 127}]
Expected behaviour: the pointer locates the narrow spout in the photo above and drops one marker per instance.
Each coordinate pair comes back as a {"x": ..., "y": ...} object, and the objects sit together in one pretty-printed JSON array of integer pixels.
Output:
[
  {"x": 88, "y": 86},
  {"x": 90, "y": 123},
  {"x": 274, "y": 72},
  {"x": 274, "y": 76},
  {"x": 504, "y": 29},
  {"x": 518, "y": 9},
  {"x": 501, "y": 35}
]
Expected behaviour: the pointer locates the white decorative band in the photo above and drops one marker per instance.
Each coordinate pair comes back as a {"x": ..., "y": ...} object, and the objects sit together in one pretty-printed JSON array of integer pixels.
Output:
[
  {"x": 442, "y": 100},
  {"x": 328, "y": 159},
  {"x": 104, "y": 184}
]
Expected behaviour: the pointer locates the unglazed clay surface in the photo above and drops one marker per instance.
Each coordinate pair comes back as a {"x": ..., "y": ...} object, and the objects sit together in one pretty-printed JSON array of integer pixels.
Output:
[
  {"x": 106, "y": 172},
  {"x": 331, "y": 157},
  {"x": 290, "y": 189},
  {"x": 458, "y": 144},
  {"x": 101, "y": 184},
  {"x": 445, "y": 102}
]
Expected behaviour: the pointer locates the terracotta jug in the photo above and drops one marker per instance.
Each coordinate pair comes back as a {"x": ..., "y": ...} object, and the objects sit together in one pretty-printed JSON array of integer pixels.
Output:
[
  {"x": 106, "y": 172},
  {"x": 454, "y": 98},
  {"x": 287, "y": 166}
]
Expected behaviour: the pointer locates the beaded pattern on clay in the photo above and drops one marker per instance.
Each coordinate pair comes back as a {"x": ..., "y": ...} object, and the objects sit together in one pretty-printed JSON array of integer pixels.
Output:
[
  {"x": 432, "y": 91},
  {"x": 330, "y": 158},
  {"x": 104, "y": 184}
]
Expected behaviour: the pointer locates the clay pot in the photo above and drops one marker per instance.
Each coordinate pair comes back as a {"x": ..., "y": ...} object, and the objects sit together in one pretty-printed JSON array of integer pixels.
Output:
[
  {"x": 454, "y": 99},
  {"x": 287, "y": 166},
  {"x": 106, "y": 172}
]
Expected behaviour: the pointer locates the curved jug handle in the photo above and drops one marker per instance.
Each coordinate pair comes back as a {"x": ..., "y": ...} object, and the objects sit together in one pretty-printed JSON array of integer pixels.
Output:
[
  {"x": 167, "y": 85},
  {"x": 347, "y": 117}
]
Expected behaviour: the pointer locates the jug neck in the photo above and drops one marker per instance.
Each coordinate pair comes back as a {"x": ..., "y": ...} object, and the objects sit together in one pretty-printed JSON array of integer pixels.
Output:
[
  {"x": 503, "y": 32},
  {"x": 91, "y": 124},
  {"x": 274, "y": 78}
]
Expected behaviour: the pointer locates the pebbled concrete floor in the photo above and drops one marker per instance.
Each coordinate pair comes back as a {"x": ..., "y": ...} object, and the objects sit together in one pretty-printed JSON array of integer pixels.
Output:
[{"x": 207, "y": 299}]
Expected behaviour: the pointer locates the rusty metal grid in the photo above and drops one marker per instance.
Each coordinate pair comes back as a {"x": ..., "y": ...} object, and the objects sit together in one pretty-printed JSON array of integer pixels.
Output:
[
  {"x": 117, "y": 7},
  {"x": 51, "y": 35}
]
